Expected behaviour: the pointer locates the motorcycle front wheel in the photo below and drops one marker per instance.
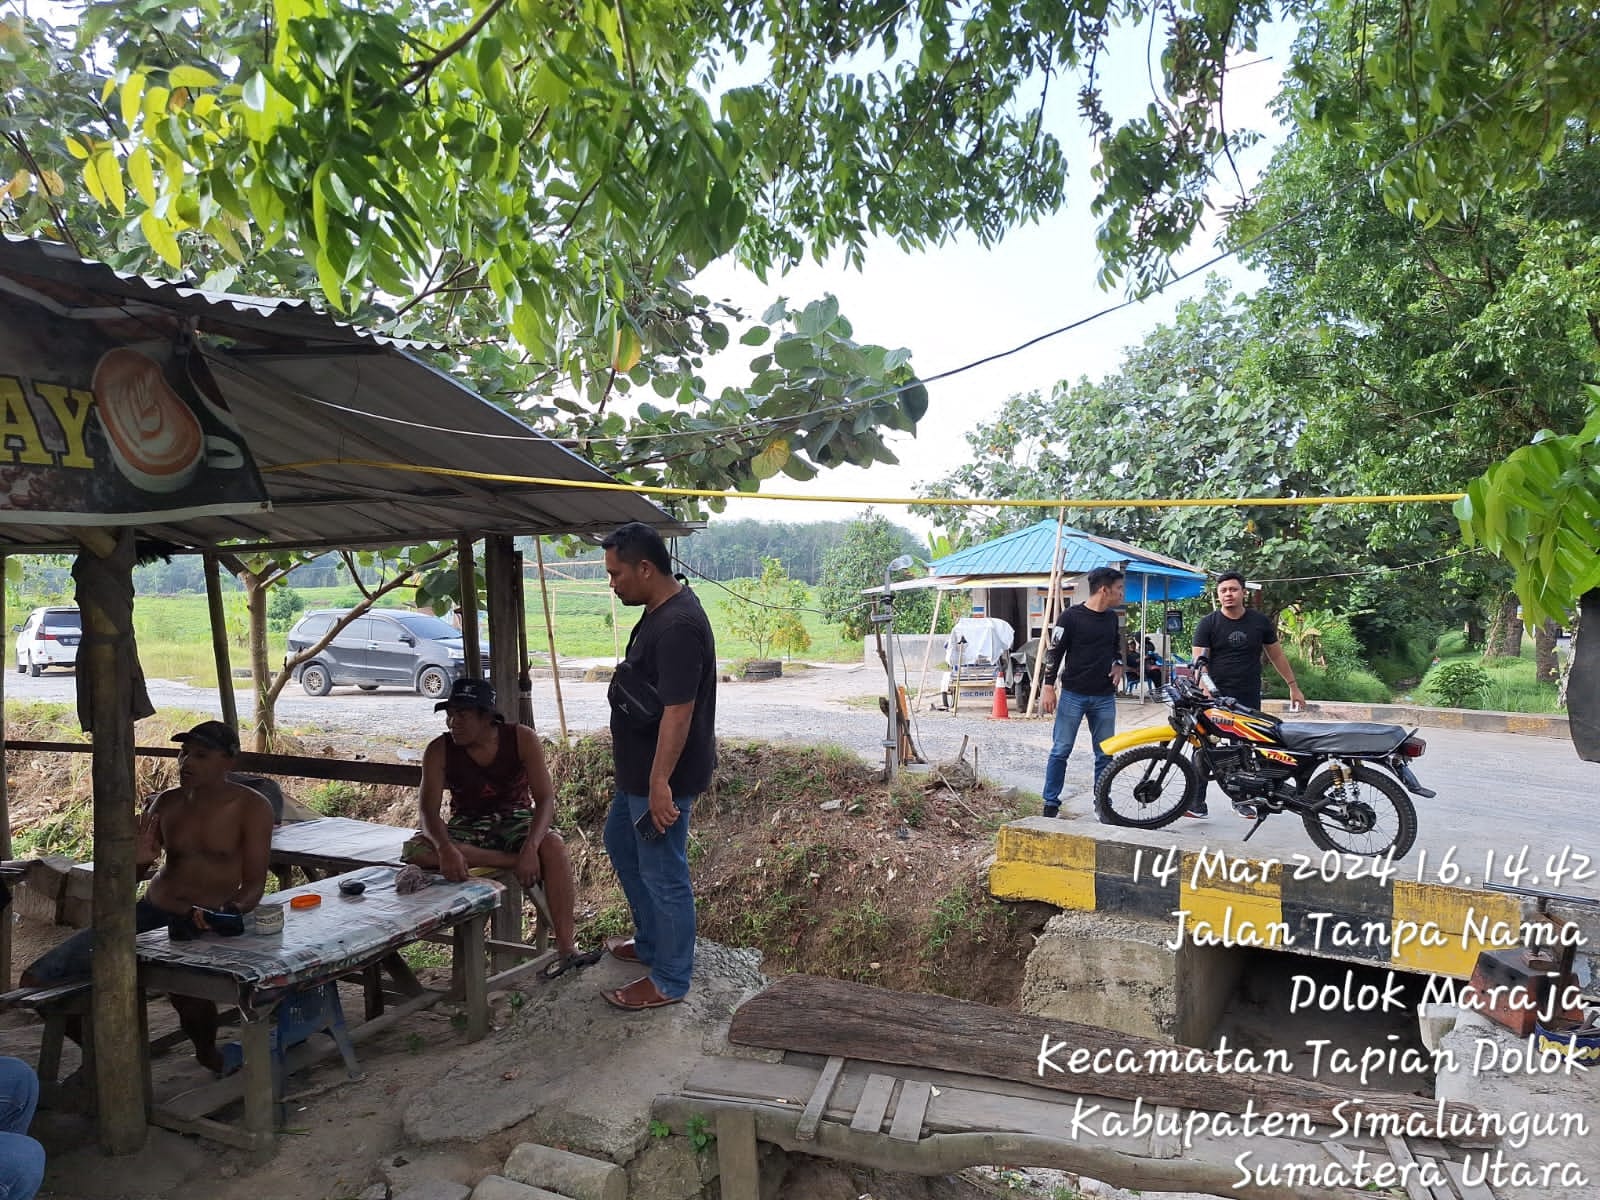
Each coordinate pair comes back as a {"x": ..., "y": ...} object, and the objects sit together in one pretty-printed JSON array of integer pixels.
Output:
[
  {"x": 1368, "y": 815},
  {"x": 1146, "y": 788}
]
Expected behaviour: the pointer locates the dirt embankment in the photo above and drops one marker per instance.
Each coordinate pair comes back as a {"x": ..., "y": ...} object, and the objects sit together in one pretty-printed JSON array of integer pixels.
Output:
[{"x": 801, "y": 852}]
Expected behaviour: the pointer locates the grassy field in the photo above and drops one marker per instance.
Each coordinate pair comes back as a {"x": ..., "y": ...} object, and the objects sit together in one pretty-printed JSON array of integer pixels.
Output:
[
  {"x": 175, "y": 641},
  {"x": 1512, "y": 687}
]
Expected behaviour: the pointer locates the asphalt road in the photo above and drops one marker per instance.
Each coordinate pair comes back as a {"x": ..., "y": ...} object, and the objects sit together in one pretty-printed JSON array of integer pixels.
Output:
[{"x": 1497, "y": 791}]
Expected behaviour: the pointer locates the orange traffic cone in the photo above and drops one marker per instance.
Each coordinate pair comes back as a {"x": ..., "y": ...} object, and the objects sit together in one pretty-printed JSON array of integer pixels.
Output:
[{"x": 1000, "y": 712}]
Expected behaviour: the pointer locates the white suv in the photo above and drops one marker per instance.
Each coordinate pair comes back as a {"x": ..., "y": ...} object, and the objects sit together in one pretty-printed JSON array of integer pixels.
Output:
[{"x": 48, "y": 638}]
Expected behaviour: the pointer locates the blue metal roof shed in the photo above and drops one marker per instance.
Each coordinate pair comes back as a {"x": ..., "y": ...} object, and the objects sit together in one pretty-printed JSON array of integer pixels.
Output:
[{"x": 1031, "y": 552}]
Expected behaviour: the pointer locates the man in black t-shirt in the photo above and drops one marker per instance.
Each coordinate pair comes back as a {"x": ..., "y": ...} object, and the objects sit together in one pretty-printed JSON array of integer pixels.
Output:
[
  {"x": 663, "y": 746},
  {"x": 1086, "y": 653},
  {"x": 1233, "y": 639}
]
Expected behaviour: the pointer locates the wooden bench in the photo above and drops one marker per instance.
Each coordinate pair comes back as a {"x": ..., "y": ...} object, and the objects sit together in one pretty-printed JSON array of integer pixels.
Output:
[{"x": 57, "y": 1006}]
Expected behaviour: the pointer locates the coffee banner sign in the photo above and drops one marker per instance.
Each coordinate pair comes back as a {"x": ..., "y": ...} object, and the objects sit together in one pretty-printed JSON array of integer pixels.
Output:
[{"x": 98, "y": 434}]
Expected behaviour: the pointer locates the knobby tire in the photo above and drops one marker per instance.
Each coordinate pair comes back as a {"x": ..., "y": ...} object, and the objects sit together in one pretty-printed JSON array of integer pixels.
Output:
[
  {"x": 1324, "y": 835},
  {"x": 1139, "y": 767}
]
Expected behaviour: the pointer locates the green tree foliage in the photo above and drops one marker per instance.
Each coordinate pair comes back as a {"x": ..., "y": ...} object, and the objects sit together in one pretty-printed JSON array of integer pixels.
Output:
[
  {"x": 282, "y": 608},
  {"x": 1187, "y": 414},
  {"x": 1431, "y": 326},
  {"x": 1539, "y": 510},
  {"x": 767, "y": 613},
  {"x": 310, "y": 147},
  {"x": 728, "y": 549},
  {"x": 857, "y": 563}
]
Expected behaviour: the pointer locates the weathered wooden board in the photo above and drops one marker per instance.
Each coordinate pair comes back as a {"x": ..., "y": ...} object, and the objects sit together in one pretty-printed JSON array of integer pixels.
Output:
[
  {"x": 874, "y": 1103},
  {"x": 833, "y": 1017}
]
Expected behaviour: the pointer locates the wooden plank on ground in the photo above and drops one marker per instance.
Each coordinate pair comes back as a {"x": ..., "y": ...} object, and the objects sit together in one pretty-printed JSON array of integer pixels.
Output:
[
  {"x": 1441, "y": 1190},
  {"x": 909, "y": 1110},
  {"x": 832, "y": 1016},
  {"x": 1340, "y": 1154},
  {"x": 820, "y": 1095},
  {"x": 873, "y": 1105},
  {"x": 1467, "y": 1191},
  {"x": 1165, "y": 1141},
  {"x": 1401, "y": 1153},
  {"x": 737, "y": 1163}
]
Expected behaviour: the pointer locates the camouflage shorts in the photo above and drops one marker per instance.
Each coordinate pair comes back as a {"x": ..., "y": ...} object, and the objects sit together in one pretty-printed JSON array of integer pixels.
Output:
[{"x": 504, "y": 832}]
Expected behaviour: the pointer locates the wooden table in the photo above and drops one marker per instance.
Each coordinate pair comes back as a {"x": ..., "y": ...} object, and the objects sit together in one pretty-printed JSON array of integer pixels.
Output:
[
  {"x": 340, "y": 936},
  {"x": 330, "y": 845}
]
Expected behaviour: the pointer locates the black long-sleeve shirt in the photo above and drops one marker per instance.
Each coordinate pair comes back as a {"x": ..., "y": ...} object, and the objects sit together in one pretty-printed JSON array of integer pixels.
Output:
[{"x": 1083, "y": 646}]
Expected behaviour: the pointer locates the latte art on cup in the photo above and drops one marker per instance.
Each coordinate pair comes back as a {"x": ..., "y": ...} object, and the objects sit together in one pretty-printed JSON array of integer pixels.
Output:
[{"x": 155, "y": 439}]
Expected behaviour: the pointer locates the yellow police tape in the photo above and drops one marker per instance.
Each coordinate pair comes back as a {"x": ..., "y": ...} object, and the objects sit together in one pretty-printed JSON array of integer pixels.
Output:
[{"x": 595, "y": 485}]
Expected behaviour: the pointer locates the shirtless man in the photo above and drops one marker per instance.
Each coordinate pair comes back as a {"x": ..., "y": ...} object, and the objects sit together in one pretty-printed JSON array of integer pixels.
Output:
[
  {"x": 502, "y": 803},
  {"x": 217, "y": 838}
]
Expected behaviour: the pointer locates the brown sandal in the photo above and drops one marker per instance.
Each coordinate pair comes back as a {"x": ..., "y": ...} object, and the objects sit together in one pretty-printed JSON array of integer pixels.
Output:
[
  {"x": 624, "y": 949},
  {"x": 639, "y": 995}
]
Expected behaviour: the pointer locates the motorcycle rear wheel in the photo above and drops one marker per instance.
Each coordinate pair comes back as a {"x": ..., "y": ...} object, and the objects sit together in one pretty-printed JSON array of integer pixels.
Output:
[
  {"x": 1139, "y": 792},
  {"x": 1370, "y": 795}
]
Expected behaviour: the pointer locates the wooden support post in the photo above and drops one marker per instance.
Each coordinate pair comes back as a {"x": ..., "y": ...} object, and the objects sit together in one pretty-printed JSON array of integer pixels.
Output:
[
  {"x": 505, "y": 922},
  {"x": 737, "y": 1161},
  {"x": 927, "y": 654},
  {"x": 550, "y": 635},
  {"x": 219, "y": 642},
  {"x": 524, "y": 675},
  {"x": 469, "y": 951},
  {"x": 502, "y": 584},
  {"x": 1051, "y": 600},
  {"x": 105, "y": 688},
  {"x": 260, "y": 1102},
  {"x": 467, "y": 571}
]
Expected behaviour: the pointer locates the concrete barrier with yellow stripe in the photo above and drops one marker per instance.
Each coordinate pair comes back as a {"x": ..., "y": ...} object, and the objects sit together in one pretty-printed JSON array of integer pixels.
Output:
[{"x": 1290, "y": 904}]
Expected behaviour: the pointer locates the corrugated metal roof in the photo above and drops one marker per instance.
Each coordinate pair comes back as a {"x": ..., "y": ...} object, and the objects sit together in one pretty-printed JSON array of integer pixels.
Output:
[
  {"x": 1031, "y": 551},
  {"x": 64, "y": 275},
  {"x": 304, "y": 387}
]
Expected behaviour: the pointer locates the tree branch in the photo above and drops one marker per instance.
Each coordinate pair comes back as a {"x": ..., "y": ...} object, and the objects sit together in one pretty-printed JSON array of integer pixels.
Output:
[
  {"x": 428, "y": 66},
  {"x": 56, "y": 215}
]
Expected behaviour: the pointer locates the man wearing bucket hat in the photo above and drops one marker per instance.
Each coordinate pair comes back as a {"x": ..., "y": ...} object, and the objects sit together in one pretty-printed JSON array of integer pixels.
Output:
[
  {"x": 502, "y": 803},
  {"x": 216, "y": 839}
]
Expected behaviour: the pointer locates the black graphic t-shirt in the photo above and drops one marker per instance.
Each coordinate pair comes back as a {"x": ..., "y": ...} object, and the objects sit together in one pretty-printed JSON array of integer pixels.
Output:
[
  {"x": 1084, "y": 644},
  {"x": 674, "y": 651},
  {"x": 1234, "y": 648}
]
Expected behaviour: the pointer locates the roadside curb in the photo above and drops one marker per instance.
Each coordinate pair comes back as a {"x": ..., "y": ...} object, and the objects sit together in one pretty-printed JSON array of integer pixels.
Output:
[
  {"x": 1549, "y": 725},
  {"x": 1289, "y": 904}
]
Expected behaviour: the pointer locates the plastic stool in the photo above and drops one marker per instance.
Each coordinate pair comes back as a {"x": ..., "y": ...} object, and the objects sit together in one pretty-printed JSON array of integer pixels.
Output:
[{"x": 301, "y": 1014}]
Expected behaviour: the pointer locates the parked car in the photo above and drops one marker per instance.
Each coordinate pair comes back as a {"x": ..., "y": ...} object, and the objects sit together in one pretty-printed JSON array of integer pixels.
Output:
[
  {"x": 381, "y": 647},
  {"x": 48, "y": 638}
]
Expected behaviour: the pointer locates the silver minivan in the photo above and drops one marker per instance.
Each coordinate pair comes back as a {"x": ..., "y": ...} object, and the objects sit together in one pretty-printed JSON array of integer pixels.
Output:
[
  {"x": 48, "y": 638},
  {"x": 382, "y": 647}
]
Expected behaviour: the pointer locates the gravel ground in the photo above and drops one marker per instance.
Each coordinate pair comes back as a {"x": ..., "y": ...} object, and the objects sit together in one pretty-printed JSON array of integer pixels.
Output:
[{"x": 828, "y": 703}]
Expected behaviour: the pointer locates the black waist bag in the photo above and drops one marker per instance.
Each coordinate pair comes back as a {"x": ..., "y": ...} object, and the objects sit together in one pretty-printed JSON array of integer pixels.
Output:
[{"x": 632, "y": 696}]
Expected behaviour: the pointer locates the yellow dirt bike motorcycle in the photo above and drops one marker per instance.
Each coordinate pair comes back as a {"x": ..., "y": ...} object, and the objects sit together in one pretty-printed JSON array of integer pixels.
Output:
[{"x": 1347, "y": 780}]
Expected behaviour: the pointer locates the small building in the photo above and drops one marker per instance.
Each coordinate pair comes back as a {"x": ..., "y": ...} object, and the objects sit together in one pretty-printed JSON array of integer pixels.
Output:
[{"x": 1009, "y": 577}]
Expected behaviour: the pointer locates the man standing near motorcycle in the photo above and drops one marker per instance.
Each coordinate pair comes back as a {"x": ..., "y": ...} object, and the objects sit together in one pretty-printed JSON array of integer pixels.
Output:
[
  {"x": 1086, "y": 652},
  {"x": 1233, "y": 639}
]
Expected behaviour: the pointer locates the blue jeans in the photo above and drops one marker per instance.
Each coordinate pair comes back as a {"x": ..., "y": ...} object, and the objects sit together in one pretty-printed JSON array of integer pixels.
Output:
[
  {"x": 655, "y": 879},
  {"x": 1071, "y": 709},
  {"x": 21, "y": 1158}
]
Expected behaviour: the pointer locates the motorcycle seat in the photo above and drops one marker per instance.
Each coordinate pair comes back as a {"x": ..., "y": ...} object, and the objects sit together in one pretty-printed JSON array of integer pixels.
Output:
[{"x": 1333, "y": 737}]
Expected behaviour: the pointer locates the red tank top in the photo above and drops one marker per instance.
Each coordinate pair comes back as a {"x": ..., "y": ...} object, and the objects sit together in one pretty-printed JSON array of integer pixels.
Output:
[{"x": 478, "y": 791}]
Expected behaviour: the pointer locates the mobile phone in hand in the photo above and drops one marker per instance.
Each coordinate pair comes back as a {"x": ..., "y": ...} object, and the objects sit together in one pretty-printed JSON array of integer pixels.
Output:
[{"x": 646, "y": 827}]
